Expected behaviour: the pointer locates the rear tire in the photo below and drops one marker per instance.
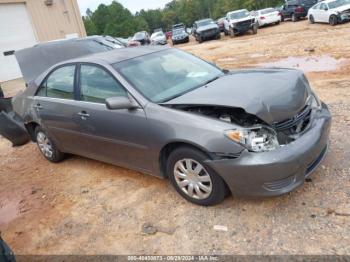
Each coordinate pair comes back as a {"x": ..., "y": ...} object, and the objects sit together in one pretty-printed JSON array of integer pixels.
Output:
[
  {"x": 192, "y": 179},
  {"x": 47, "y": 147},
  {"x": 294, "y": 18},
  {"x": 333, "y": 20},
  {"x": 311, "y": 19}
]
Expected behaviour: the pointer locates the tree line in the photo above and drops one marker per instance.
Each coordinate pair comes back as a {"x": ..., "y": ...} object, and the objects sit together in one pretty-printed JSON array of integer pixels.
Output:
[{"x": 116, "y": 20}]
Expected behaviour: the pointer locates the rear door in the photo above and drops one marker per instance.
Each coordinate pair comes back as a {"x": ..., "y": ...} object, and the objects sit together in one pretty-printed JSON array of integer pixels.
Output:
[
  {"x": 114, "y": 136},
  {"x": 57, "y": 108}
]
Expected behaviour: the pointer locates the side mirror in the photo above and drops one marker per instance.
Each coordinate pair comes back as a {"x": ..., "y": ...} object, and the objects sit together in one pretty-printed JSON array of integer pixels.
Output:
[
  {"x": 121, "y": 102},
  {"x": 326, "y": 9}
]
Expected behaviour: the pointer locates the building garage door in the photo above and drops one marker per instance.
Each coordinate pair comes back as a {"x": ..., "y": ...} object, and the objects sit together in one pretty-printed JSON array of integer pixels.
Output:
[{"x": 16, "y": 32}]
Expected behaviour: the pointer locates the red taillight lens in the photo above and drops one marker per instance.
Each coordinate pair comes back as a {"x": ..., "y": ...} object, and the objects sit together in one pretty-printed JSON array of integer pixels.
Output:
[
  {"x": 299, "y": 9},
  {"x": 262, "y": 17}
]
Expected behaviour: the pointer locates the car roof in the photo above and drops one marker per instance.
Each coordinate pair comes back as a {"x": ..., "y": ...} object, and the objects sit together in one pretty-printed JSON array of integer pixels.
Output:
[
  {"x": 236, "y": 11},
  {"x": 119, "y": 55},
  {"x": 202, "y": 20}
]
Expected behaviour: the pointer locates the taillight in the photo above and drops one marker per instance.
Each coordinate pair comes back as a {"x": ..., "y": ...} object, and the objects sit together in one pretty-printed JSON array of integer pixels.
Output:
[
  {"x": 279, "y": 13},
  {"x": 262, "y": 17},
  {"x": 299, "y": 9}
]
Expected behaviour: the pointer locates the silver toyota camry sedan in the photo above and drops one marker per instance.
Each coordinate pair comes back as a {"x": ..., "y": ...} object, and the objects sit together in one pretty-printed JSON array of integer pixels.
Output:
[{"x": 167, "y": 113}]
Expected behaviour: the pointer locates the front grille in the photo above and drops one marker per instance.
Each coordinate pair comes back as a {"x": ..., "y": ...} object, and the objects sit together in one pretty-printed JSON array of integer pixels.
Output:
[
  {"x": 244, "y": 23},
  {"x": 209, "y": 32},
  {"x": 295, "y": 124}
]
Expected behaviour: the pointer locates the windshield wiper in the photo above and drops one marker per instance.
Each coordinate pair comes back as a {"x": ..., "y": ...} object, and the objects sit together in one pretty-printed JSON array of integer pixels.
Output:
[
  {"x": 210, "y": 81},
  {"x": 187, "y": 91}
]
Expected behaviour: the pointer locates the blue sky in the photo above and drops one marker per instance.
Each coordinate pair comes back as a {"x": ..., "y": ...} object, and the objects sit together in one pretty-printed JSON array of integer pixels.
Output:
[{"x": 132, "y": 5}]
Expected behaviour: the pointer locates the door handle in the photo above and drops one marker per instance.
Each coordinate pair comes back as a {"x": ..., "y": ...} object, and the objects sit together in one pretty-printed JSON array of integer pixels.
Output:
[
  {"x": 38, "y": 106},
  {"x": 83, "y": 115}
]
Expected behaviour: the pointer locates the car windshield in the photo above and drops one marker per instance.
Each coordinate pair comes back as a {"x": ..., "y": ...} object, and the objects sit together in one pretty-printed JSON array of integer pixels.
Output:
[
  {"x": 179, "y": 31},
  {"x": 157, "y": 34},
  {"x": 205, "y": 22},
  {"x": 139, "y": 35},
  {"x": 159, "y": 77},
  {"x": 239, "y": 15},
  {"x": 338, "y": 3},
  {"x": 267, "y": 11}
]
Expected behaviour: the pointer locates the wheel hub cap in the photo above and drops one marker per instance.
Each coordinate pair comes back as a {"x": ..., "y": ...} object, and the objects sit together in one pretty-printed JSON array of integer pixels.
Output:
[
  {"x": 192, "y": 179},
  {"x": 44, "y": 144}
]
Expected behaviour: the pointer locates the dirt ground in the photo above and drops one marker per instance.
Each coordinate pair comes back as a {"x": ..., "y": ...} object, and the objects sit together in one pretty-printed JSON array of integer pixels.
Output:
[{"x": 83, "y": 206}]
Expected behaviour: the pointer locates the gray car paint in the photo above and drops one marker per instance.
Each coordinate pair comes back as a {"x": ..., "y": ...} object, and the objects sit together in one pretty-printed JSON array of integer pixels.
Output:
[
  {"x": 135, "y": 138},
  {"x": 271, "y": 94}
]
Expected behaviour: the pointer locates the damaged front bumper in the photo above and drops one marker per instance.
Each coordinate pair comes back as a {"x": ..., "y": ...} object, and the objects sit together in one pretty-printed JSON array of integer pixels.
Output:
[
  {"x": 344, "y": 17},
  {"x": 11, "y": 125},
  {"x": 280, "y": 171}
]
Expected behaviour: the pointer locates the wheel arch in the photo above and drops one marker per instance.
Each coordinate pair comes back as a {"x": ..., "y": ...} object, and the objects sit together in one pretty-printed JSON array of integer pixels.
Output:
[
  {"x": 31, "y": 126},
  {"x": 171, "y": 146}
]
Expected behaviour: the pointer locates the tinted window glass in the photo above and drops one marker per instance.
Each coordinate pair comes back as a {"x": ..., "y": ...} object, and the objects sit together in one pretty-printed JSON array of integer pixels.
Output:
[
  {"x": 60, "y": 84},
  {"x": 97, "y": 85}
]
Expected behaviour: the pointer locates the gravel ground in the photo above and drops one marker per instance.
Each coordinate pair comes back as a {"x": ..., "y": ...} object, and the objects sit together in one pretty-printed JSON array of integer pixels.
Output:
[{"x": 83, "y": 206}]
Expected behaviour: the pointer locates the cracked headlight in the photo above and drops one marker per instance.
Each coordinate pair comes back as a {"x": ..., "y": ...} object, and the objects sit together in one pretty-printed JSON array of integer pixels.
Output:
[
  {"x": 314, "y": 102},
  {"x": 255, "y": 139}
]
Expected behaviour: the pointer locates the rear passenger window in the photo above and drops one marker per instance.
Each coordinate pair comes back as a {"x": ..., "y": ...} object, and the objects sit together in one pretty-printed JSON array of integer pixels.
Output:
[
  {"x": 97, "y": 85},
  {"x": 60, "y": 84}
]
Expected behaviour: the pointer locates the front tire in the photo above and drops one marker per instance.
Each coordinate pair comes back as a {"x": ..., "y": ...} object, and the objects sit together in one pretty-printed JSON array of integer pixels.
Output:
[
  {"x": 311, "y": 19},
  {"x": 333, "y": 20},
  {"x": 255, "y": 29},
  {"x": 231, "y": 32},
  {"x": 47, "y": 147},
  {"x": 192, "y": 179}
]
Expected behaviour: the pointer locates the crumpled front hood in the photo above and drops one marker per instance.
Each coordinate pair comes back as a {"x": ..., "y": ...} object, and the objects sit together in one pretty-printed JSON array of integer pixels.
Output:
[
  {"x": 207, "y": 27},
  {"x": 273, "y": 95}
]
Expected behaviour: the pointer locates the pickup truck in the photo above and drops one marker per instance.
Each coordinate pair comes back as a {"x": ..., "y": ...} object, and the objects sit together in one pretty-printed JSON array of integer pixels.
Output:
[{"x": 239, "y": 22}]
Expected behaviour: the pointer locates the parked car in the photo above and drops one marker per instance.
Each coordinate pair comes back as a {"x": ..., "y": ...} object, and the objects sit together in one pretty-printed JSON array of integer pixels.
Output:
[
  {"x": 205, "y": 29},
  {"x": 239, "y": 22},
  {"x": 158, "y": 38},
  {"x": 268, "y": 16},
  {"x": 220, "y": 23},
  {"x": 179, "y": 34},
  {"x": 330, "y": 11},
  {"x": 256, "y": 132},
  {"x": 142, "y": 37},
  {"x": 296, "y": 9}
]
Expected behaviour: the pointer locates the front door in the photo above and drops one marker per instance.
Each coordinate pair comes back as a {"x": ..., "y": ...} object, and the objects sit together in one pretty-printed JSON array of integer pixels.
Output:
[{"x": 114, "y": 136}]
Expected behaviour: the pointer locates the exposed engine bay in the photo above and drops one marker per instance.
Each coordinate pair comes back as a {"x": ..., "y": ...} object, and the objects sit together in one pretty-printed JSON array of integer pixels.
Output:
[{"x": 285, "y": 131}]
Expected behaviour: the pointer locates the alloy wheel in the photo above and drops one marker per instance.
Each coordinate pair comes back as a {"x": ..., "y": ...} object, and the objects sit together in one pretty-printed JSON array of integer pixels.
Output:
[
  {"x": 44, "y": 144},
  {"x": 192, "y": 178}
]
